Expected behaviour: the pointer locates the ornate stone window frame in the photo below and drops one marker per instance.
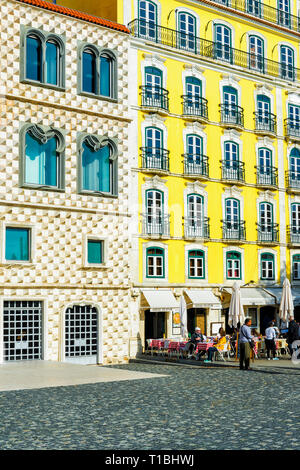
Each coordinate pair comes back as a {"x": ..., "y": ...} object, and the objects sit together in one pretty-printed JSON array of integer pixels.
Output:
[
  {"x": 96, "y": 142},
  {"x": 42, "y": 133},
  {"x": 44, "y": 37},
  {"x": 98, "y": 51}
]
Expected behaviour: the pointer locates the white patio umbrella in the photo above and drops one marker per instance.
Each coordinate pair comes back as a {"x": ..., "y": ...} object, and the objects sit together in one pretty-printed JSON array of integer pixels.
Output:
[
  {"x": 183, "y": 317},
  {"x": 286, "y": 308},
  {"x": 236, "y": 310}
]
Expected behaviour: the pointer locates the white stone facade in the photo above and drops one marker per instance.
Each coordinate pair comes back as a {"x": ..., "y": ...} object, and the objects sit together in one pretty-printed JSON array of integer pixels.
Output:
[{"x": 61, "y": 221}]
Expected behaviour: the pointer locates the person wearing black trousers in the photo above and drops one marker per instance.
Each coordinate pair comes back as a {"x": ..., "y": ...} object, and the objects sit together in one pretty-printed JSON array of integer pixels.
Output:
[{"x": 245, "y": 349}]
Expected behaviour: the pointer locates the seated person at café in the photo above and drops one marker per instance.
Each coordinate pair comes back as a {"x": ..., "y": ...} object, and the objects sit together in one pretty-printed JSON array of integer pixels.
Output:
[
  {"x": 218, "y": 347},
  {"x": 196, "y": 337}
]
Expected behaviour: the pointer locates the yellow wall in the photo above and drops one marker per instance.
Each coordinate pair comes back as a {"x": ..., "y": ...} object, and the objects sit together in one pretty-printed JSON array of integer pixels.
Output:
[
  {"x": 213, "y": 73},
  {"x": 102, "y": 8}
]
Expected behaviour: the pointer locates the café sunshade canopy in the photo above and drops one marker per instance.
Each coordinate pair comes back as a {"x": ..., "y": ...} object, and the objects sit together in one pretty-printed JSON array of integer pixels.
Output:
[
  {"x": 160, "y": 300},
  {"x": 202, "y": 299}
]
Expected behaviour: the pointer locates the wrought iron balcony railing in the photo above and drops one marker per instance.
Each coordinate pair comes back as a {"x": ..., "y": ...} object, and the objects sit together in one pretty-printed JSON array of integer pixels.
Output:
[
  {"x": 266, "y": 176},
  {"x": 209, "y": 49},
  {"x": 293, "y": 232},
  {"x": 195, "y": 107},
  {"x": 259, "y": 9},
  {"x": 155, "y": 97},
  {"x": 155, "y": 158},
  {"x": 156, "y": 225},
  {"x": 232, "y": 114},
  {"x": 233, "y": 170},
  {"x": 292, "y": 128},
  {"x": 265, "y": 122},
  {"x": 293, "y": 180},
  {"x": 196, "y": 228},
  {"x": 195, "y": 164},
  {"x": 233, "y": 230},
  {"x": 268, "y": 233}
]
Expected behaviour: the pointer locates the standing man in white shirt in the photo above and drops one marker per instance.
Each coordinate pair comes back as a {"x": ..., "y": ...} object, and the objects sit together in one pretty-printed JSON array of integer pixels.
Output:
[{"x": 270, "y": 341}]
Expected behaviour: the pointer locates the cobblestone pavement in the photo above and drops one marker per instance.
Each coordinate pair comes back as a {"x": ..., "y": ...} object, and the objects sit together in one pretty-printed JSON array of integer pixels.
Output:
[{"x": 192, "y": 408}]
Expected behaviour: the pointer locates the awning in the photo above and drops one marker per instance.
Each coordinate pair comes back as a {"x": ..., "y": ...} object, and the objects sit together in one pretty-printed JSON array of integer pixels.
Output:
[
  {"x": 201, "y": 298},
  {"x": 277, "y": 292},
  {"x": 255, "y": 296},
  {"x": 159, "y": 300}
]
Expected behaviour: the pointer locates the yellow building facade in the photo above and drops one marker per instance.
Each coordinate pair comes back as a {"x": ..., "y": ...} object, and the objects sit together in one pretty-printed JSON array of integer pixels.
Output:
[{"x": 215, "y": 101}]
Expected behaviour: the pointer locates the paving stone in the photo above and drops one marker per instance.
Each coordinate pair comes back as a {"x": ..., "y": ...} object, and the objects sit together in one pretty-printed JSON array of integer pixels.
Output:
[{"x": 235, "y": 410}]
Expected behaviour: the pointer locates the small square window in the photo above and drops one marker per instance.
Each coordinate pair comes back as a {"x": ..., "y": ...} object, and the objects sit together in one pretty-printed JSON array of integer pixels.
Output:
[
  {"x": 17, "y": 244},
  {"x": 95, "y": 251}
]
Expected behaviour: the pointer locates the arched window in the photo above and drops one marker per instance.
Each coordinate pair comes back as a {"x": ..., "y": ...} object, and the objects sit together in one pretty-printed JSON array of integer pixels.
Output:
[
  {"x": 256, "y": 53},
  {"x": 98, "y": 71},
  {"x": 44, "y": 58},
  {"x": 254, "y": 7},
  {"x": 98, "y": 165},
  {"x": 34, "y": 58},
  {"x": 266, "y": 174},
  {"x": 267, "y": 266},
  {"x": 155, "y": 262},
  {"x": 230, "y": 110},
  {"x": 287, "y": 63},
  {"x": 193, "y": 87},
  {"x": 283, "y": 13},
  {"x": 147, "y": 19},
  {"x": 222, "y": 45},
  {"x": 196, "y": 264},
  {"x": 267, "y": 230},
  {"x": 265, "y": 215},
  {"x": 187, "y": 31},
  {"x": 231, "y": 168},
  {"x": 89, "y": 71},
  {"x": 156, "y": 223},
  {"x": 264, "y": 119},
  {"x": 195, "y": 215},
  {"x": 233, "y": 265},
  {"x": 295, "y": 223},
  {"x": 294, "y": 171},
  {"x": 43, "y": 157}
]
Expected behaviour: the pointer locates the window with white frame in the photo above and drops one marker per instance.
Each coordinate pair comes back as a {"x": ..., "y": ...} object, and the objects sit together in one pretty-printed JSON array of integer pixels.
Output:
[
  {"x": 155, "y": 262},
  {"x": 196, "y": 266},
  {"x": 296, "y": 267},
  {"x": 233, "y": 265},
  {"x": 267, "y": 266}
]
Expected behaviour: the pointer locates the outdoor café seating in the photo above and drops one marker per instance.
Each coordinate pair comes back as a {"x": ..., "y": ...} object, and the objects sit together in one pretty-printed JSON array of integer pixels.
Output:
[{"x": 177, "y": 348}]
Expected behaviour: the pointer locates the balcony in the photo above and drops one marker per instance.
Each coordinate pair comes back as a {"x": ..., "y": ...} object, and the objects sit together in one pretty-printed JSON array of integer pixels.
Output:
[
  {"x": 259, "y": 9},
  {"x": 231, "y": 115},
  {"x": 265, "y": 123},
  {"x": 292, "y": 129},
  {"x": 233, "y": 170},
  {"x": 293, "y": 181},
  {"x": 266, "y": 176},
  {"x": 293, "y": 233},
  {"x": 155, "y": 99},
  {"x": 210, "y": 50},
  {"x": 155, "y": 160},
  {"x": 195, "y": 108},
  {"x": 196, "y": 228},
  {"x": 196, "y": 165},
  {"x": 156, "y": 226},
  {"x": 233, "y": 230},
  {"x": 268, "y": 234}
]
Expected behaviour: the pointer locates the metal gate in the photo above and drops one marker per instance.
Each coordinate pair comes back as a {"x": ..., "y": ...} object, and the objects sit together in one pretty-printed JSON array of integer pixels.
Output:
[
  {"x": 81, "y": 334},
  {"x": 22, "y": 330}
]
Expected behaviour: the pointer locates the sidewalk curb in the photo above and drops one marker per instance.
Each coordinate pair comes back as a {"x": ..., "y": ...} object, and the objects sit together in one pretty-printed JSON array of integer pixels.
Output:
[{"x": 194, "y": 364}]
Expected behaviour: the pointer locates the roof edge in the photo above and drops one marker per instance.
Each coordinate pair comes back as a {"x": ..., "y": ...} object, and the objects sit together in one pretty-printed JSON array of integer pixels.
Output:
[{"x": 76, "y": 14}]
